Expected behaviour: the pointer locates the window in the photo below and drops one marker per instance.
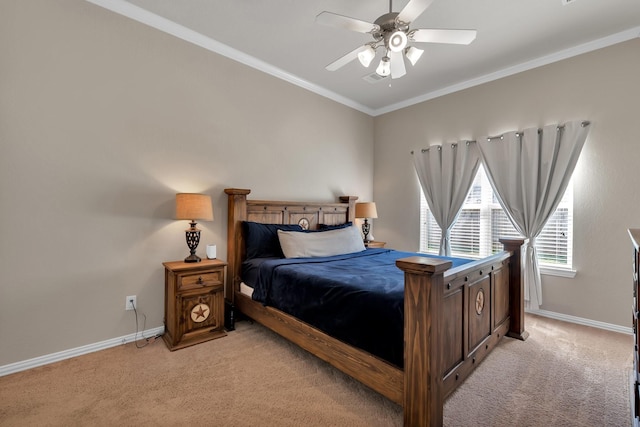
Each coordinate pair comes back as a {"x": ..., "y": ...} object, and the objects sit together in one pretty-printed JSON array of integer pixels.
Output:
[{"x": 482, "y": 222}]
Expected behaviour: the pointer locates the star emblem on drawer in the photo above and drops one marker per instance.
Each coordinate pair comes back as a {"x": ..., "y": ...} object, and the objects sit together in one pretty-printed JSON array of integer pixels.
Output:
[{"x": 200, "y": 313}]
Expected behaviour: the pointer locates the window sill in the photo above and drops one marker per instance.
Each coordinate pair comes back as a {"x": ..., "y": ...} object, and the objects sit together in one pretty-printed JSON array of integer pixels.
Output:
[{"x": 559, "y": 272}]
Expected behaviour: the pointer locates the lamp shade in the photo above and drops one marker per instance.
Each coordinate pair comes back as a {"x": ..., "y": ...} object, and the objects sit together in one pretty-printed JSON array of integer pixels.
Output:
[
  {"x": 384, "y": 68},
  {"x": 413, "y": 54},
  {"x": 192, "y": 206},
  {"x": 366, "y": 56},
  {"x": 366, "y": 210}
]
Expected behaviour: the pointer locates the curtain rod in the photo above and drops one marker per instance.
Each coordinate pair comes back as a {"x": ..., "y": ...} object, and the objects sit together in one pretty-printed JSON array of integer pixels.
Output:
[
  {"x": 583, "y": 124},
  {"x": 453, "y": 144}
]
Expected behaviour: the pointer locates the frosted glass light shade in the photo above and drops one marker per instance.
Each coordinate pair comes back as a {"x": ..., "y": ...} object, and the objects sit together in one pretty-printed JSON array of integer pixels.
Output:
[
  {"x": 384, "y": 68},
  {"x": 397, "y": 41},
  {"x": 366, "y": 56},
  {"x": 413, "y": 54}
]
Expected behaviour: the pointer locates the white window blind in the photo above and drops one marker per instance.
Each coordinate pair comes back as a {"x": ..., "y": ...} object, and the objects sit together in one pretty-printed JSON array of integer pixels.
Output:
[{"x": 482, "y": 222}]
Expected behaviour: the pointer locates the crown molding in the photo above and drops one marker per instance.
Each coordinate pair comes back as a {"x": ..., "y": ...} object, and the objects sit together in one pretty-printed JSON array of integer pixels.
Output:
[
  {"x": 124, "y": 8},
  {"x": 525, "y": 66},
  {"x": 143, "y": 16}
]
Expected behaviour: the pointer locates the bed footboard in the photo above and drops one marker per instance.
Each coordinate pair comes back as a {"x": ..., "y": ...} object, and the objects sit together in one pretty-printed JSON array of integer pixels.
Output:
[
  {"x": 453, "y": 318},
  {"x": 423, "y": 389}
]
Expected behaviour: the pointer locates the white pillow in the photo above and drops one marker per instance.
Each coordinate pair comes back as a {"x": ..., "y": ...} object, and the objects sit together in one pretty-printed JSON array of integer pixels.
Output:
[{"x": 296, "y": 244}]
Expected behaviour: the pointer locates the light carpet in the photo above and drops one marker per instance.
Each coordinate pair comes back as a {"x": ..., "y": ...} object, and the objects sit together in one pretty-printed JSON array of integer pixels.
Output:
[{"x": 563, "y": 375}]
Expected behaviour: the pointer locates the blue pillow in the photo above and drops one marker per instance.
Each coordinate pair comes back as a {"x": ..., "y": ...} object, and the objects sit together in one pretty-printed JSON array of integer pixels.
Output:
[
  {"x": 261, "y": 240},
  {"x": 326, "y": 227}
]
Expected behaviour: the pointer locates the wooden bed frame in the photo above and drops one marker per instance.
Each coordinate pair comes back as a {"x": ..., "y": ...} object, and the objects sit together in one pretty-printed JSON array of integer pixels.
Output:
[{"x": 453, "y": 317}]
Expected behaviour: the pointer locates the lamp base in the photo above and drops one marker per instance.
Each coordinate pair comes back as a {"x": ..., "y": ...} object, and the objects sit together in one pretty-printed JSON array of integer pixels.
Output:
[
  {"x": 193, "y": 238},
  {"x": 366, "y": 227},
  {"x": 193, "y": 258}
]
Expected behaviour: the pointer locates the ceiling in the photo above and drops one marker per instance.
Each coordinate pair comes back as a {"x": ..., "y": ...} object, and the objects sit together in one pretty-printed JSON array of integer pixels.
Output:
[{"x": 281, "y": 37}]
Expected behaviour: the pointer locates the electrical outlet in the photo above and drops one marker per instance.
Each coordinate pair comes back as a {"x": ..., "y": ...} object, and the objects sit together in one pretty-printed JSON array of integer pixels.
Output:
[{"x": 130, "y": 302}]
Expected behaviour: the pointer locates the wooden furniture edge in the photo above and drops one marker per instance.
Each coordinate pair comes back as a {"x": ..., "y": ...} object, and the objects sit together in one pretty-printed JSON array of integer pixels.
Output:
[
  {"x": 634, "y": 234},
  {"x": 424, "y": 388},
  {"x": 516, "y": 291},
  {"x": 423, "y": 402},
  {"x": 236, "y": 213},
  {"x": 634, "y": 376}
]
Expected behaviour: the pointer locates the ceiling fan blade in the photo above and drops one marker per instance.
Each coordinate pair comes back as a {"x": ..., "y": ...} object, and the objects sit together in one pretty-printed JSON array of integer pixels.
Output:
[
  {"x": 352, "y": 24},
  {"x": 443, "y": 36},
  {"x": 412, "y": 10},
  {"x": 341, "y": 62},
  {"x": 397, "y": 65}
]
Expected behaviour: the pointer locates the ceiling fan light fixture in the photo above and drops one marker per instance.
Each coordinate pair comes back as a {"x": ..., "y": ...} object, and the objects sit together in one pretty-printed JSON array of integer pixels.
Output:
[
  {"x": 397, "y": 41},
  {"x": 413, "y": 54},
  {"x": 366, "y": 56},
  {"x": 384, "y": 68},
  {"x": 392, "y": 32}
]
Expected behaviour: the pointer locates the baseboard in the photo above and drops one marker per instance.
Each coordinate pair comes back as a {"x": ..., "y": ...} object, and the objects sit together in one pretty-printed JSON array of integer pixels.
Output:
[
  {"x": 582, "y": 321},
  {"x": 12, "y": 368},
  {"x": 86, "y": 349}
]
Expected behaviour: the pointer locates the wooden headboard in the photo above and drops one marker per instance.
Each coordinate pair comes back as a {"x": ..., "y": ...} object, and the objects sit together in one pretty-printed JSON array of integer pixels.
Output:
[{"x": 308, "y": 214}]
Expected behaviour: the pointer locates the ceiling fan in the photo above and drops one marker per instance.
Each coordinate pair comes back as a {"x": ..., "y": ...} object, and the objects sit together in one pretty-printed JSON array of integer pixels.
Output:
[{"x": 391, "y": 32}]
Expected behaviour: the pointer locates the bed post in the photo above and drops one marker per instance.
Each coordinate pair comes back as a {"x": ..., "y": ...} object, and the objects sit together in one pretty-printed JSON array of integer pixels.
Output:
[
  {"x": 423, "y": 301},
  {"x": 236, "y": 213},
  {"x": 516, "y": 288},
  {"x": 351, "y": 200}
]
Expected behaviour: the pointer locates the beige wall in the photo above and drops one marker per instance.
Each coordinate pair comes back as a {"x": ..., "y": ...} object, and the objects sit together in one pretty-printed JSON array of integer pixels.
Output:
[
  {"x": 602, "y": 86},
  {"x": 102, "y": 121}
]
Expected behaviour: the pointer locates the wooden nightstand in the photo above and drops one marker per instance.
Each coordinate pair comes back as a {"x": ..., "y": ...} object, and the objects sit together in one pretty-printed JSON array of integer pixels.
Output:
[
  {"x": 374, "y": 244},
  {"x": 193, "y": 302}
]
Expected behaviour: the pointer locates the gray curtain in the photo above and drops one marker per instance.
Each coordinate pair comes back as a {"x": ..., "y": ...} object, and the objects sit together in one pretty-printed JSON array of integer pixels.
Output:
[
  {"x": 446, "y": 173},
  {"x": 529, "y": 172}
]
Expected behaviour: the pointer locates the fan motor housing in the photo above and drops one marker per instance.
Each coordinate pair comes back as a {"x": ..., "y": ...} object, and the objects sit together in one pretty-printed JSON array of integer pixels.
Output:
[{"x": 388, "y": 24}]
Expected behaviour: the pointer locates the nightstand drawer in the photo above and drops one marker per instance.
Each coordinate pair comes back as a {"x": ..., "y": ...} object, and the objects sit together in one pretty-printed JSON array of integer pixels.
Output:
[{"x": 200, "y": 280}]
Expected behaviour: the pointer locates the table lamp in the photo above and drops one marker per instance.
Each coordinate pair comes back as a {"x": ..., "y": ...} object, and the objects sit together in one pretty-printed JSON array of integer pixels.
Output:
[
  {"x": 192, "y": 207},
  {"x": 366, "y": 210}
]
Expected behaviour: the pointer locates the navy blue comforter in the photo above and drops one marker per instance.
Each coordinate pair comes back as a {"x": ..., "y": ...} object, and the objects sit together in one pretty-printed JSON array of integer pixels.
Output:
[{"x": 356, "y": 298}]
